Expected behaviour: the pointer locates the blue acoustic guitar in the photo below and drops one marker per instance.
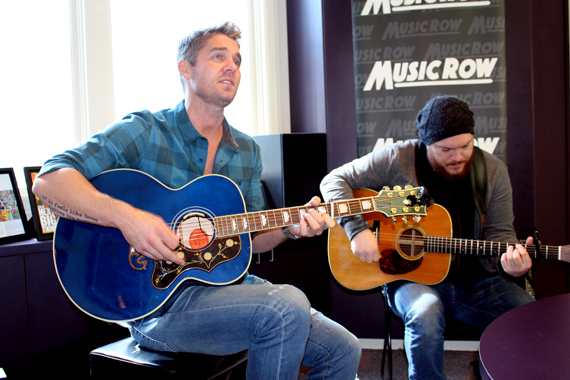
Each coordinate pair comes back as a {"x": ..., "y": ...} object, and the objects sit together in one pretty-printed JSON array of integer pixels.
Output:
[{"x": 103, "y": 276}]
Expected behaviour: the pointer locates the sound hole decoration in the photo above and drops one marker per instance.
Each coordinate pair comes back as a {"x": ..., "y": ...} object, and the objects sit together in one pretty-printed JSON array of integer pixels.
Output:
[
  {"x": 411, "y": 243},
  {"x": 198, "y": 245},
  {"x": 196, "y": 231},
  {"x": 408, "y": 257}
]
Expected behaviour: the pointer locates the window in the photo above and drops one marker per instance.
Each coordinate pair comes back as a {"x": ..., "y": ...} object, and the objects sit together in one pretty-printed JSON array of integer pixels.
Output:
[
  {"x": 76, "y": 66},
  {"x": 145, "y": 36},
  {"x": 35, "y": 84}
]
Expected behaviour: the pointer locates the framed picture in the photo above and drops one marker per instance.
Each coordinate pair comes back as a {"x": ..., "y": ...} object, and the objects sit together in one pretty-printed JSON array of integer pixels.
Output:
[
  {"x": 44, "y": 219},
  {"x": 13, "y": 219}
]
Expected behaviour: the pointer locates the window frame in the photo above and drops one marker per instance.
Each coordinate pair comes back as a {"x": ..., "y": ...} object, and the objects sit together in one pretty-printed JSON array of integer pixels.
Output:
[{"x": 92, "y": 66}]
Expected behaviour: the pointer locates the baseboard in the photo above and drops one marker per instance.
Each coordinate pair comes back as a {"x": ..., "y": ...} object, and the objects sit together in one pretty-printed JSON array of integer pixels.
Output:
[{"x": 398, "y": 344}]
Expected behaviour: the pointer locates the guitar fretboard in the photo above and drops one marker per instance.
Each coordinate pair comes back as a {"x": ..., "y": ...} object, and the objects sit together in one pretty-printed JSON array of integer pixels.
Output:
[
  {"x": 264, "y": 220},
  {"x": 351, "y": 207},
  {"x": 489, "y": 248}
]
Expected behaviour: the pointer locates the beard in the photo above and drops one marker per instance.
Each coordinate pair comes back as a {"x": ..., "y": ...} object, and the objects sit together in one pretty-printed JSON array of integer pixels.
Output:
[
  {"x": 211, "y": 97},
  {"x": 442, "y": 171},
  {"x": 210, "y": 94}
]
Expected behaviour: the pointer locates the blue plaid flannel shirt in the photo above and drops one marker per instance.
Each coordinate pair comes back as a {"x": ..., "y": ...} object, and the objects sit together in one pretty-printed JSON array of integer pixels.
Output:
[{"x": 166, "y": 146}]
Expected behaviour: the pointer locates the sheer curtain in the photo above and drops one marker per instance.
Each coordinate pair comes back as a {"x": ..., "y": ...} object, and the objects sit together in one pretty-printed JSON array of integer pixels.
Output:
[
  {"x": 35, "y": 84},
  {"x": 142, "y": 39},
  {"x": 72, "y": 67}
]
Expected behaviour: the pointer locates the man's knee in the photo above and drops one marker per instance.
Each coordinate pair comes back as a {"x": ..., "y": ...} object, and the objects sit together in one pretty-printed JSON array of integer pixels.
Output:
[
  {"x": 426, "y": 318},
  {"x": 353, "y": 348},
  {"x": 289, "y": 307}
]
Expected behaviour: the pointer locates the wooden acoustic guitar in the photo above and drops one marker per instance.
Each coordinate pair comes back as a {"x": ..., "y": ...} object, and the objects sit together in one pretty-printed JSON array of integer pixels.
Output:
[
  {"x": 103, "y": 276},
  {"x": 418, "y": 251}
]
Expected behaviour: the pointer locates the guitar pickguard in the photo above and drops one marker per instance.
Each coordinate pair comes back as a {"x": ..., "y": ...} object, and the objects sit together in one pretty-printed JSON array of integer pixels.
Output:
[
  {"x": 219, "y": 252},
  {"x": 392, "y": 263}
]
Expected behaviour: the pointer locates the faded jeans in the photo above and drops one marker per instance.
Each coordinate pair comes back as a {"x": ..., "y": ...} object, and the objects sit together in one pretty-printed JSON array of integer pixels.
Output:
[
  {"x": 274, "y": 322},
  {"x": 424, "y": 309}
]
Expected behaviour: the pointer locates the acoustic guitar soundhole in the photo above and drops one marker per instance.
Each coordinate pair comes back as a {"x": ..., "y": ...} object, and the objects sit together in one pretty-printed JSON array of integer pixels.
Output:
[{"x": 411, "y": 246}]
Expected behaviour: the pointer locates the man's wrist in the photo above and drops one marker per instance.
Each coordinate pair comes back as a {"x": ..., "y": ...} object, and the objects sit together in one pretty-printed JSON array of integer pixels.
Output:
[{"x": 286, "y": 232}]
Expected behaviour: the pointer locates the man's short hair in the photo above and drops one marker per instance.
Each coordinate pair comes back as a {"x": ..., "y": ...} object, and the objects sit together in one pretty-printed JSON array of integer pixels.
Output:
[{"x": 191, "y": 45}]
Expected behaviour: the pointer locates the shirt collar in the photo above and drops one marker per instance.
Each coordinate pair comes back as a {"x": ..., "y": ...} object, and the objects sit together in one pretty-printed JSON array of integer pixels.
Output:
[{"x": 190, "y": 133}]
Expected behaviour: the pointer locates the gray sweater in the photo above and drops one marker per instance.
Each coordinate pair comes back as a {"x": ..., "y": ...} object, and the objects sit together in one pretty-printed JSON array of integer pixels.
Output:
[{"x": 395, "y": 165}]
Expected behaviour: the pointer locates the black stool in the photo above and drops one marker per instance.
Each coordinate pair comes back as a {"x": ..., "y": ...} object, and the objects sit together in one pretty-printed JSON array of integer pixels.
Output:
[{"x": 126, "y": 358}]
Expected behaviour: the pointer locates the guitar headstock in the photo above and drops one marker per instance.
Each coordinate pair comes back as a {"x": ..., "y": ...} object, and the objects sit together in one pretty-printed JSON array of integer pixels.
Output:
[{"x": 398, "y": 201}]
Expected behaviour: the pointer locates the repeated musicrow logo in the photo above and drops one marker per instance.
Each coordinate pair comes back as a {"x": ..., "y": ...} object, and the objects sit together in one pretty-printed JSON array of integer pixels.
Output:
[
  {"x": 489, "y": 144},
  {"x": 389, "y": 6},
  {"x": 451, "y": 71}
]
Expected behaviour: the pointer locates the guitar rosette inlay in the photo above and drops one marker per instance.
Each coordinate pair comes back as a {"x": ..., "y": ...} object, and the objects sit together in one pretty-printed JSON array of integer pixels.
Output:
[{"x": 196, "y": 231}]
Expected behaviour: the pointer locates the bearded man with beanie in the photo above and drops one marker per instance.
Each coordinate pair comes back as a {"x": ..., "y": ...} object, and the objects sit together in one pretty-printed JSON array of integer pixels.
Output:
[{"x": 474, "y": 187}]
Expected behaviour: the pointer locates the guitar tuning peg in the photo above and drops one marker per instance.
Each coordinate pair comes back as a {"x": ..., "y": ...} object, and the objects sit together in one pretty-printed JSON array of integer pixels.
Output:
[
  {"x": 417, "y": 218},
  {"x": 405, "y": 219},
  {"x": 408, "y": 187},
  {"x": 394, "y": 220},
  {"x": 397, "y": 187},
  {"x": 386, "y": 188}
]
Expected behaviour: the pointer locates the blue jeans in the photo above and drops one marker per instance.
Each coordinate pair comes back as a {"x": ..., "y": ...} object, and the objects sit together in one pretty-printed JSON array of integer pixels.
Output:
[
  {"x": 424, "y": 310},
  {"x": 274, "y": 322}
]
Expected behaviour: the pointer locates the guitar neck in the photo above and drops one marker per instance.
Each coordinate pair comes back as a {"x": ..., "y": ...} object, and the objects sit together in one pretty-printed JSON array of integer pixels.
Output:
[
  {"x": 490, "y": 248},
  {"x": 265, "y": 220}
]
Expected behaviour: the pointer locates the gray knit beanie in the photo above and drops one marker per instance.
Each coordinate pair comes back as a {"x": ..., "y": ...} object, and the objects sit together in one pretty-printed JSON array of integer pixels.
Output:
[{"x": 443, "y": 117}]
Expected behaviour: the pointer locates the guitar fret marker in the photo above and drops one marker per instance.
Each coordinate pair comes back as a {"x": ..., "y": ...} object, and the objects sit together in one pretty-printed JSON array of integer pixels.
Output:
[{"x": 240, "y": 223}]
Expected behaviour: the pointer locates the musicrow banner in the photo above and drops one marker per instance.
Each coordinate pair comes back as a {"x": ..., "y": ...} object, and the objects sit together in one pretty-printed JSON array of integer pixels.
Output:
[{"x": 408, "y": 51}]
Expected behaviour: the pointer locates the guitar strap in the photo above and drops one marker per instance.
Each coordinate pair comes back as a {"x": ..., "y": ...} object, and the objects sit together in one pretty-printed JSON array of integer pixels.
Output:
[{"x": 479, "y": 186}]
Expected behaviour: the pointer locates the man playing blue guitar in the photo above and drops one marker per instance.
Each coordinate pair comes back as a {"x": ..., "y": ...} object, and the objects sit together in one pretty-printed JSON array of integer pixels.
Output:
[
  {"x": 178, "y": 146},
  {"x": 475, "y": 189}
]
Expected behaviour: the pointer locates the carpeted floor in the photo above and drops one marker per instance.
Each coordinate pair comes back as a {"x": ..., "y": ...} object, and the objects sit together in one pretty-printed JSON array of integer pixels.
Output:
[{"x": 457, "y": 365}]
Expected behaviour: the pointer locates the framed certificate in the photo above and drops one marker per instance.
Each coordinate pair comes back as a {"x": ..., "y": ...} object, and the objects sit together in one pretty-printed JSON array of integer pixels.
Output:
[
  {"x": 44, "y": 219},
  {"x": 13, "y": 221}
]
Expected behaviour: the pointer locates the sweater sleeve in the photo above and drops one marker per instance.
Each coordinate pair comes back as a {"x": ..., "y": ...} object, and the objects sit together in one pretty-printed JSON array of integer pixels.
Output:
[
  {"x": 388, "y": 167},
  {"x": 500, "y": 216}
]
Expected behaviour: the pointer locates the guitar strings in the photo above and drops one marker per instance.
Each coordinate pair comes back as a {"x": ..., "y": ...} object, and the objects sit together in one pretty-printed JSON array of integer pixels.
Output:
[
  {"x": 276, "y": 219},
  {"x": 442, "y": 244},
  {"x": 269, "y": 219}
]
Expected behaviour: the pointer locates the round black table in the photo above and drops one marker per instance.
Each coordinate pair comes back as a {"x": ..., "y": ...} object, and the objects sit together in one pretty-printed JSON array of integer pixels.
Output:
[{"x": 529, "y": 342}]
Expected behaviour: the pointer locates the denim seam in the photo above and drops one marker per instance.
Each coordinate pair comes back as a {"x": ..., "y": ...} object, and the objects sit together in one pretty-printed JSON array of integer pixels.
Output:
[
  {"x": 153, "y": 340},
  {"x": 326, "y": 372},
  {"x": 478, "y": 310},
  {"x": 280, "y": 314}
]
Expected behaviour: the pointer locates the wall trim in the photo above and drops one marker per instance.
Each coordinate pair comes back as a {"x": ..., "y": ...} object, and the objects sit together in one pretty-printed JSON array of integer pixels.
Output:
[{"x": 398, "y": 344}]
